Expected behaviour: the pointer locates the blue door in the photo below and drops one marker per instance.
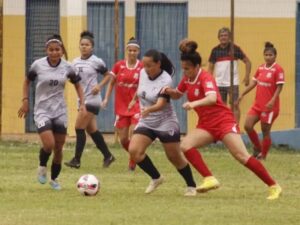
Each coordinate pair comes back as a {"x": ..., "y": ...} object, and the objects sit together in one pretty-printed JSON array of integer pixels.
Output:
[
  {"x": 42, "y": 20},
  {"x": 161, "y": 26},
  {"x": 101, "y": 23}
]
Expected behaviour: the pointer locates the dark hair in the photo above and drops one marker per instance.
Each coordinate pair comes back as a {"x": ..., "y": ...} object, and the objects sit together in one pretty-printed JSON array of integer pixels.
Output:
[
  {"x": 134, "y": 42},
  {"x": 224, "y": 30},
  {"x": 270, "y": 47},
  {"x": 57, "y": 38},
  {"x": 87, "y": 35},
  {"x": 189, "y": 53},
  {"x": 165, "y": 62}
]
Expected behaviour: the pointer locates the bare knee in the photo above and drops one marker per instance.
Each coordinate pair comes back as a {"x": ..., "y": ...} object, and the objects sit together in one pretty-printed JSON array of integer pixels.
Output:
[{"x": 136, "y": 154}]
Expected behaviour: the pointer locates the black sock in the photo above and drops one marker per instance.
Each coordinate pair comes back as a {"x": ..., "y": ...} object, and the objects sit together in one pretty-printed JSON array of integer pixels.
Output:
[
  {"x": 55, "y": 170},
  {"x": 187, "y": 175},
  {"x": 44, "y": 157},
  {"x": 100, "y": 143},
  {"x": 147, "y": 165},
  {"x": 80, "y": 143}
]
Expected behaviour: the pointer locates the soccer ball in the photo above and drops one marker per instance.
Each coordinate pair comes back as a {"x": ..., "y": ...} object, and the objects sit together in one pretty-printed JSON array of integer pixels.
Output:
[{"x": 88, "y": 185}]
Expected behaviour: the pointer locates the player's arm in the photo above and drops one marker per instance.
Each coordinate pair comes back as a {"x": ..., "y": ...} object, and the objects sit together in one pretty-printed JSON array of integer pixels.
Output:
[
  {"x": 247, "y": 62},
  {"x": 103, "y": 82},
  {"x": 172, "y": 92},
  {"x": 160, "y": 103},
  {"x": 22, "y": 112},
  {"x": 211, "y": 68},
  {"x": 209, "y": 99},
  {"x": 252, "y": 85},
  {"x": 270, "y": 104},
  {"x": 132, "y": 102},
  {"x": 109, "y": 90}
]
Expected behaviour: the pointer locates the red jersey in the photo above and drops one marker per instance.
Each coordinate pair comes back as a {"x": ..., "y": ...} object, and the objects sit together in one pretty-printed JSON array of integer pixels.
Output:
[
  {"x": 204, "y": 84},
  {"x": 267, "y": 80},
  {"x": 127, "y": 80}
]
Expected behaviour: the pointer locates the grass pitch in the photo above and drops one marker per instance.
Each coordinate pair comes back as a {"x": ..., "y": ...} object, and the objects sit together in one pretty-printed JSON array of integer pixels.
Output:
[{"x": 121, "y": 201}]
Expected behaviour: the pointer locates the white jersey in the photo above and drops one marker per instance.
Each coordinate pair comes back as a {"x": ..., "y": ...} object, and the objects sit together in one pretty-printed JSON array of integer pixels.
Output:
[
  {"x": 50, "y": 84},
  {"x": 148, "y": 93},
  {"x": 88, "y": 70}
]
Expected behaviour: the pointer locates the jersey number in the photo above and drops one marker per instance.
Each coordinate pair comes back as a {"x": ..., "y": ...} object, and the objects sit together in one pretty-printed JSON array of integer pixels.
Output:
[{"x": 53, "y": 82}]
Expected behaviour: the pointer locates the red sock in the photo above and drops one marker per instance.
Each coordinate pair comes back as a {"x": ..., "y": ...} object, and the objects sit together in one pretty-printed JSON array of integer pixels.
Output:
[
  {"x": 266, "y": 143},
  {"x": 195, "y": 158},
  {"x": 256, "y": 167},
  {"x": 131, "y": 163},
  {"x": 254, "y": 139}
]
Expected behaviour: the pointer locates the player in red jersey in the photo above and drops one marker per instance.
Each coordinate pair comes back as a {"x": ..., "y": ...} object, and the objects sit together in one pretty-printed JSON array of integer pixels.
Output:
[
  {"x": 125, "y": 79},
  {"x": 268, "y": 80},
  {"x": 216, "y": 121}
]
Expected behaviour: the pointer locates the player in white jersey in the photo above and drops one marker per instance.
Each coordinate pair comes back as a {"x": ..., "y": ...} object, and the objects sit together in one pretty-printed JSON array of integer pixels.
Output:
[
  {"x": 88, "y": 67},
  {"x": 50, "y": 113},
  {"x": 158, "y": 120}
]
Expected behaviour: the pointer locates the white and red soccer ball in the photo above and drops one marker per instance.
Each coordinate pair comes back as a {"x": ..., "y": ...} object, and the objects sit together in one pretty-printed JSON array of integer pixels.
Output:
[{"x": 88, "y": 185}]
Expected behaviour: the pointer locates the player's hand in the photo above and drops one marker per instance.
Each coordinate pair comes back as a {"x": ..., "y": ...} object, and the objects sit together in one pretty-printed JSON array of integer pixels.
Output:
[
  {"x": 246, "y": 81},
  {"x": 188, "y": 105},
  {"x": 82, "y": 108},
  {"x": 131, "y": 104},
  {"x": 237, "y": 102},
  {"x": 165, "y": 90},
  {"x": 144, "y": 112},
  {"x": 104, "y": 103},
  {"x": 270, "y": 105},
  {"x": 24, "y": 109},
  {"x": 96, "y": 90}
]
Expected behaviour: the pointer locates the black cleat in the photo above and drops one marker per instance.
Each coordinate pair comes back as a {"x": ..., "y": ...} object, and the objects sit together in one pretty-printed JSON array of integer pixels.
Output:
[
  {"x": 108, "y": 161},
  {"x": 256, "y": 152},
  {"x": 73, "y": 163}
]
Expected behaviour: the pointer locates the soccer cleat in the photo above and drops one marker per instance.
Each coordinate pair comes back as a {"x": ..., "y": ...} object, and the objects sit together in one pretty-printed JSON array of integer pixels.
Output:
[
  {"x": 73, "y": 163},
  {"x": 42, "y": 174},
  {"x": 274, "y": 192},
  {"x": 154, "y": 183},
  {"x": 131, "y": 165},
  {"x": 261, "y": 156},
  {"x": 208, "y": 184},
  {"x": 108, "y": 161},
  {"x": 190, "y": 192},
  {"x": 55, "y": 185}
]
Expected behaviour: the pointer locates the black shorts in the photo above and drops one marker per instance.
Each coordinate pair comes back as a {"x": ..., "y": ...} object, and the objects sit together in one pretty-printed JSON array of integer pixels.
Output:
[
  {"x": 163, "y": 136},
  {"x": 92, "y": 109},
  {"x": 54, "y": 125}
]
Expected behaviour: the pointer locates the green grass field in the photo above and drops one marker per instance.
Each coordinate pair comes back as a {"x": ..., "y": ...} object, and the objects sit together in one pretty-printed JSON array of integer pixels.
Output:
[{"x": 121, "y": 200}]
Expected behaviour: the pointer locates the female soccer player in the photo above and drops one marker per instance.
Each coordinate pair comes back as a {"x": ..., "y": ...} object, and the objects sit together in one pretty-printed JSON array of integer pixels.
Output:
[
  {"x": 50, "y": 113},
  {"x": 268, "y": 80},
  {"x": 158, "y": 120},
  {"x": 216, "y": 121},
  {"x": 125, "y": 78},
  {"x": 89, "y": 66}
]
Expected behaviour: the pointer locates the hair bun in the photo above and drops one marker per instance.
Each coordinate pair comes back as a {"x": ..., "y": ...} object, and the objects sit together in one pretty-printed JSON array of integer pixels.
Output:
[
  {"x": 187, "y": 46},
  {"x": 86, "y": 34},
  {"x": 269, "y": 45}
]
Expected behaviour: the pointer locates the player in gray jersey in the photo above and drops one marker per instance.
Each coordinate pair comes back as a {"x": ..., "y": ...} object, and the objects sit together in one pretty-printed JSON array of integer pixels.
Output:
[
  {"x": 89, "y": 66},
  {"x": 158, "y": 121},
  {"x": 50, "y": 113}
]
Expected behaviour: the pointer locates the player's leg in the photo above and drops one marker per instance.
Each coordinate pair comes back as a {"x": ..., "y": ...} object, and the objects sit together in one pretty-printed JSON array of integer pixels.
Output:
[
  {"x": 236, "y": 109},
  {"x": 99, "y": 141},
  {"x": 251, "y": 119},
  {"x": 123, "y": 125},
  {"x": 82, "y": 120},
  {"x": 198, "y": 138},
  {"x": 140, "y": 141},
  {"x": 236, "y": 147}
]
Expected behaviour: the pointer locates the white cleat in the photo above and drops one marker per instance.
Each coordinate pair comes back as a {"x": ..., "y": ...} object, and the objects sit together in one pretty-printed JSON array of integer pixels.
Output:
[
  {"x": 42, "y": 174},
  {"x": 154, "y": 184},
  {"x": 55, "y": 185},
  {"x": 190, "y": 192}
]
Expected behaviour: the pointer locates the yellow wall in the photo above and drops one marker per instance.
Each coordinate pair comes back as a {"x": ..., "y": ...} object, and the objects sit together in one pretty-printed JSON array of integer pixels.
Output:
[
  {"x": 70, "y": 29},
  {"x": 251, "y": 34},
  {"x": 13, "y": 73}
]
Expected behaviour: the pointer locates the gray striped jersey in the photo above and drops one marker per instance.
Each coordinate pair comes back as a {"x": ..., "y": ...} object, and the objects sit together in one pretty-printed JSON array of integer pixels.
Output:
[
  {"x": 50, "y": 84},
  {"x": 88, "y": 70},
  {"x": 148, "y": 93}
]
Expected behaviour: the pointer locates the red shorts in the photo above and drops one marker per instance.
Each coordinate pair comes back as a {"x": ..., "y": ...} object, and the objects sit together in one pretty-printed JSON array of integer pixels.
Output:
[
  {"x": 126, "y": 121},
  {"x": 218, "y": 128},
  {"x": 264, "y": 116}
]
